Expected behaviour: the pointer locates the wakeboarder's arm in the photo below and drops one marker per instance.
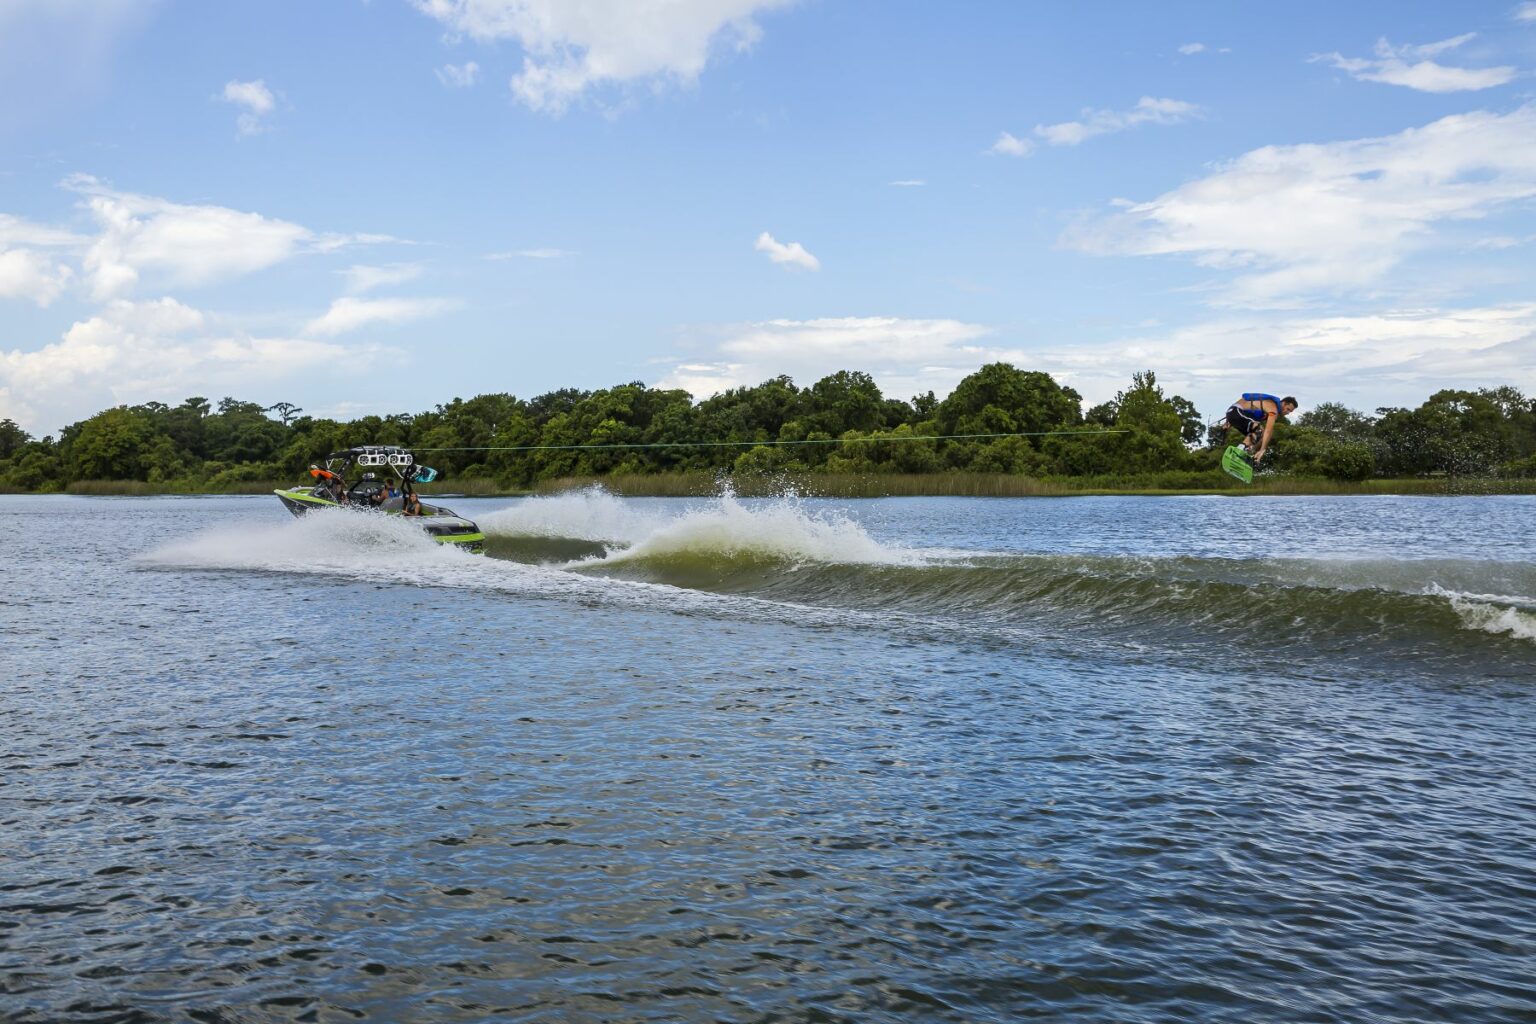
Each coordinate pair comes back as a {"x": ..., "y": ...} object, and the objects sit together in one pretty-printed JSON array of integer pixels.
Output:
[{"x": 1269, "y": 428}]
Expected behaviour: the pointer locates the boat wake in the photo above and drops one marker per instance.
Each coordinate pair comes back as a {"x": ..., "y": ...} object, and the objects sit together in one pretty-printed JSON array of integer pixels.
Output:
[{"x": 721, "y": 555}]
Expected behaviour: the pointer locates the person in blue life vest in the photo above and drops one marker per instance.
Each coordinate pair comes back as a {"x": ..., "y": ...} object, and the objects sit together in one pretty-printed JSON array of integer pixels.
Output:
[{"x": 1254, "y": 416}]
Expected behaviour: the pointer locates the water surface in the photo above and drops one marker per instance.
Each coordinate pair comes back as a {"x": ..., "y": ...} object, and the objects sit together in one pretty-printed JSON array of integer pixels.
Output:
[{"x": 1121, "y": 759}]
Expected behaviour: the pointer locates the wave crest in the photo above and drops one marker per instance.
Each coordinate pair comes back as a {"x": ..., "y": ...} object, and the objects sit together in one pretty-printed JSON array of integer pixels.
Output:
[{"x": 721, "y": 531}]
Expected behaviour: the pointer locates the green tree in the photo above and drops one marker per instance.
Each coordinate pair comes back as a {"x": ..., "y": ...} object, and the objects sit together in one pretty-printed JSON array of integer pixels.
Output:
[
  {"x": 187, "y": 426},
  {"x": 1088, "y": 452},
  {"x": 287, "y": 412},
  {"x": 35, "y": 466},
  {"x": 843, "y": 401},
  {"x": 1000, "y": 398},
  {"x": 1154, "y": 438},
  {"x": 12, "y": 438},
  {"x": 1192, "y": 424},
  {"x": 109, "y": 445},
  {"x": 756, "y": 413},
  {"x": 1338, "y": 421},
  {"x": 242, "y": 432},
  {"x": 1102, "y": 415},
  {"x": 1310, "y": 451},
  {"x": 1458, "y": 433}
]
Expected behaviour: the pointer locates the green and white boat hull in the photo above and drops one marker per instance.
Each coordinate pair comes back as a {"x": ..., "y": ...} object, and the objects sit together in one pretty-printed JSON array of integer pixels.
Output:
[{"x": 441, "y": 524}]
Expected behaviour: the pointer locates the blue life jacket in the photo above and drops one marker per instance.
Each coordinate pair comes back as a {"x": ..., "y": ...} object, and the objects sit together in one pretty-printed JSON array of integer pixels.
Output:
[{"x": 1259, "y": 396}]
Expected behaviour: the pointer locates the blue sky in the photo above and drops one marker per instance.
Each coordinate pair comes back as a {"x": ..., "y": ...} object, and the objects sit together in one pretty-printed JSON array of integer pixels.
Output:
[{"x": 378, "y": 206}]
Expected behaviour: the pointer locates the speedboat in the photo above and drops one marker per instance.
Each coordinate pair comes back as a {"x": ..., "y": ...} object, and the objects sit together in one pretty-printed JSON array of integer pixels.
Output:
[{"x": 374, "y": 491}]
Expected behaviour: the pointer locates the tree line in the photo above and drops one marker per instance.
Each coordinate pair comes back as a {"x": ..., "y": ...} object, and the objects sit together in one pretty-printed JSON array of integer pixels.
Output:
[{"x": 519, "y": 442}]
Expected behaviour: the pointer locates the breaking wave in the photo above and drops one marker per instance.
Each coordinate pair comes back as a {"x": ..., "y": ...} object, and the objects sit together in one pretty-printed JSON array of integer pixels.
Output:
[
  {"x": 1494, "y": 614},
  {"x": 721, "y": 531}
]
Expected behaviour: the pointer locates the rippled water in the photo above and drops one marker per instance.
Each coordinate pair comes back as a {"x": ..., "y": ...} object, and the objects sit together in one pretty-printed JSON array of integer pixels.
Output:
[{"x": 1121, "y": 759}]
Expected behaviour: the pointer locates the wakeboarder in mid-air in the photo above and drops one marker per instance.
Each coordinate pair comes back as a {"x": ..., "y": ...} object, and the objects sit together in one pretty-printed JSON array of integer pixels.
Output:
[{"x": 1253, "y": 416}]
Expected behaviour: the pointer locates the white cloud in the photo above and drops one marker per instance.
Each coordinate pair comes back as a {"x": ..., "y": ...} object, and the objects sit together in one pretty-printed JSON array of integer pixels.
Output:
[
  {"x": 1383, "y": 358},
  {"x": 361, "y": 278},
  {"x": 28, "y": 274},
  {"x": 904, "y": 356},
  {"x": 531, "y": 254},
  {"x": 458, "y": 76},
  {"x": 1192, "y": 48},
  {"x": 793, "y": 253},
  {"x": 1411, "y": 66},
  {"x": 139, "y": 351},
  {"x": 1301, "y": 221},
  {"x": 909, "y": 183},
  {"x": 1389, "y": 357},
  {"x": 15, "y": 231},
  {"x": 571, "y": 47},
  {"x": 134, "y": 351},
  {"x": 1496, "y": 242},
  {"x": 1525, "y": 12},
  {"x": 331, "y": 242},
  {"x": 869, "y": 339},
  {"x": 1007, "y": 145},
  {"x": 186, "y": 245},
  {"x": 348, "y": 314},
  {"x": 1148, "y": 110},
  {"x": 26, "y": 270},
  {"x": 257, "y": 100}
]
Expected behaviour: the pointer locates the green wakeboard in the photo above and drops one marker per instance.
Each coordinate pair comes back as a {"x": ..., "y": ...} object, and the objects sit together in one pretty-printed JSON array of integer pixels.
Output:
[{"x": 1236, "y": 462}]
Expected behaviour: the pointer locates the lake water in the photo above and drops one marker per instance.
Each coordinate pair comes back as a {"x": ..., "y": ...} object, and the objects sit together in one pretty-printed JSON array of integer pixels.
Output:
[{"x": 1108, "y": 759}]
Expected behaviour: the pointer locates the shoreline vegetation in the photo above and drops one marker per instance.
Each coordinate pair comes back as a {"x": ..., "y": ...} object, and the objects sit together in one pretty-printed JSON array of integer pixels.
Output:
[
  {"x": 869, "y": 485},
  {"x": 1003, "y": 431}
]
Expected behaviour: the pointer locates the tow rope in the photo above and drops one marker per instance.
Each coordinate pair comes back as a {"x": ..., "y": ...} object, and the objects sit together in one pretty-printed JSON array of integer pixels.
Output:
[{"x": 753, "y": 444}]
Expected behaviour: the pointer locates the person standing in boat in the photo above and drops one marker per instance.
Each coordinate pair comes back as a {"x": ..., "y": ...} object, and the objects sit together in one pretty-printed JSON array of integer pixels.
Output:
[{"x": 1254, "y": 415}]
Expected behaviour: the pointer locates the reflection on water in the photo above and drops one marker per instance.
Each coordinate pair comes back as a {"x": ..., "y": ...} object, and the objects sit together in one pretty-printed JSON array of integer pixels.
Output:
[{"x": 1114, "y": 759}]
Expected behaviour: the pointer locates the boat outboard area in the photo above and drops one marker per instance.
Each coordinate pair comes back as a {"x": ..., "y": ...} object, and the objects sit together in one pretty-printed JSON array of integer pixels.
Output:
[{"x": 383, "y": 481}]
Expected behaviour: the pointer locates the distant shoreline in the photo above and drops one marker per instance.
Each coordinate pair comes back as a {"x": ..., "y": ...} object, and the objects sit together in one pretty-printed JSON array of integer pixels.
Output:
[{"x": 867, "y": 485}]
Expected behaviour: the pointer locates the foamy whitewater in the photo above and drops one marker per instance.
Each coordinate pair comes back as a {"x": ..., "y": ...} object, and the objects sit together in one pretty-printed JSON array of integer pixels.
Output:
[{"x": 780, "y": 529}]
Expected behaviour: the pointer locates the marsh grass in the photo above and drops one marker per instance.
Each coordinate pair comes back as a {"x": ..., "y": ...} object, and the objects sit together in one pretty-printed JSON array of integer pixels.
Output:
[
  {"x": 470, "y": 487},
  {"x": 473, "y": 487},
  {"x": 140, "y": 488},
  {"x": 821, "y": 485},
  {"x": 867, "y": 485},
  {"x": 1002, "y": 485}
]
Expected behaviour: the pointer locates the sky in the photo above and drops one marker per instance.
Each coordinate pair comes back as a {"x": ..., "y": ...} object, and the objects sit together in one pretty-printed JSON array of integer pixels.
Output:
[{"x": 376, "y": 206}]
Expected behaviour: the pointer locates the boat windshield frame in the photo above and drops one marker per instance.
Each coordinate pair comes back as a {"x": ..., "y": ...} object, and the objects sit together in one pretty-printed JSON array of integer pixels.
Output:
[{"x": 402, "y": 461}]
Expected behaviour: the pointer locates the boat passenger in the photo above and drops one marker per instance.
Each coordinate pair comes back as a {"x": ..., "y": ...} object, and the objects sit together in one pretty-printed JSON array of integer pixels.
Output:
[{"x": 412, "y": 504}]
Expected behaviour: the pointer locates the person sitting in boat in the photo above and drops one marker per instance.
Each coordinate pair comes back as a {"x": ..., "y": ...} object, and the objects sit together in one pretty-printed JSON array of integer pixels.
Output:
[
  {"x": 379, "y": 495},
  {"x": 1254, "y": 416},
  {"x": 412, "y": 506},
  {"x": 331, "y": 485}
]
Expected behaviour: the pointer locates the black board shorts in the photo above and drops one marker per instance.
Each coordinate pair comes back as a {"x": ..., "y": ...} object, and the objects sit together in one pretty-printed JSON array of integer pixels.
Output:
[{"x": 1244, "y": 420}]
